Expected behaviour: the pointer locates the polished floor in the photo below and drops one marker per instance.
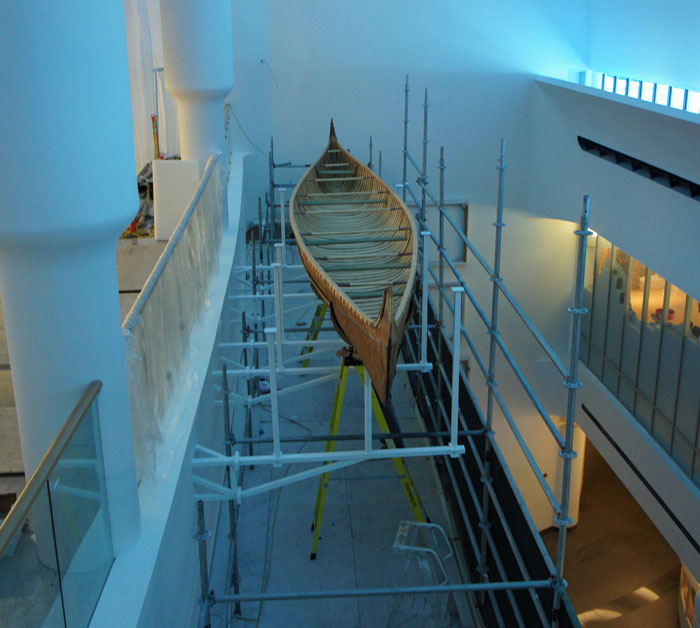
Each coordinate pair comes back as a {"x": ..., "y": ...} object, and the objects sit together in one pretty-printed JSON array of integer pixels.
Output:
[{"x": 621, "y": 571}]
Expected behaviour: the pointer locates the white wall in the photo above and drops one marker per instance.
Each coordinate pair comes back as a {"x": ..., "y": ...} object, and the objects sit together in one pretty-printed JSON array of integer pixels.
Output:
[
  {"x": 348, "y": 61},
  {"x": 646, "y": 39},
  {"x": 654, "y": 224}
]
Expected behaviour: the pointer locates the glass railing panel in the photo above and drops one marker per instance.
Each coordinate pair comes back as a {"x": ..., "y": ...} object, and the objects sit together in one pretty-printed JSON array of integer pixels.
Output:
[
  {"x": 80, "y": 517},
  {"x": 30, "y": 591},
  {"x": 662, "y": 430},
  {"x": 649, "y": 359},
  {"x": 641, "y": 338},
  {"x": 617, "y": 302},
  {"x": 55, "y": 542},
  {"x": 682, "y": 451},
  {"x": 587, "y": 297},
  {"x": 687, "y": 403},
  {"x": 629, "y": 359},
  {"x": 669, "y": 370},
  {"x": 599, "y": 306}
]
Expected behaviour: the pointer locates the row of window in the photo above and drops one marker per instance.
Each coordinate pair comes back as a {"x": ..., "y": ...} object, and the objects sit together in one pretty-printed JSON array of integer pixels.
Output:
[
  {"x": 641, "y": 338},
  {"x": 658, "y": 93}
]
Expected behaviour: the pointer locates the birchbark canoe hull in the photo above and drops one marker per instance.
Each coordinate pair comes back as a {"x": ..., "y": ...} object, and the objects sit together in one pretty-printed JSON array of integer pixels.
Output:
[{"x": 358, "y": 243}]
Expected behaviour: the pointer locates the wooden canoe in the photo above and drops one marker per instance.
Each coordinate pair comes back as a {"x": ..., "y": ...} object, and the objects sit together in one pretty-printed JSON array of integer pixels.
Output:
[{"x": 359, "y": 245}]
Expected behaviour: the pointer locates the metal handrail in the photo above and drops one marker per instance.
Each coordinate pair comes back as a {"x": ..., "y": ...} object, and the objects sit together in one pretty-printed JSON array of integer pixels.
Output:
[
  {"x": 136, "y": 310},
  {"x": 20, "y": 510}
]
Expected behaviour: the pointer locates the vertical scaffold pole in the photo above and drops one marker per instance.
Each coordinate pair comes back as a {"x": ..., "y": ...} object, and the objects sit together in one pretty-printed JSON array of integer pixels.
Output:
[
  {"x": 405, "y": 137},
  {"x": 424, "y": 303},
  {"x": 491, "y": 381},
  {"x": 283, "y": 226},
  {"x": 202, "y": 536},
  {"x": 441, "y": 239},
  {"x": 260, "y": 220},
  {"x": 456, "y": 357},
  {"x": 228, "y": 450},
  {"x": 572, "y": 384},
  {"x": 254, "y": 285},
  {"x": 380, "y": 165},
  {"x": 279, "y": 300},
  {"x": 274, "y": 408},
  {"x": 248, "y": 424},
  {"x": 369, "y": 163},
  {"x": 424, "y": 171},
  {"x": 271, "y": 169}
]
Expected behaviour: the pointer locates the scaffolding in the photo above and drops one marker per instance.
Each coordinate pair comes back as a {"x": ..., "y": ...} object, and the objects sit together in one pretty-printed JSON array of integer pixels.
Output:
[{"x": 513, "y": 580}]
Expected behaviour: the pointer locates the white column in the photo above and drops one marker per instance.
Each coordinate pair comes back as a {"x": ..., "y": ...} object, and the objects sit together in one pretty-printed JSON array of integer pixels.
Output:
[
  {"x": 198, "y": 61},
  {"x": 68, "y": 181}
]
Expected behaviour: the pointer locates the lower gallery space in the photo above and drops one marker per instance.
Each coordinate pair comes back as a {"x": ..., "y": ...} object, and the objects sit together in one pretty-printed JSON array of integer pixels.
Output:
[{"x": 621, "y": 571}]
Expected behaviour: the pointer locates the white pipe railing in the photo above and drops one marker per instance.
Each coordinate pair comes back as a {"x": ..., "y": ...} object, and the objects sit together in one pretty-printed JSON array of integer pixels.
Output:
[{"x": 158, "y": 326}]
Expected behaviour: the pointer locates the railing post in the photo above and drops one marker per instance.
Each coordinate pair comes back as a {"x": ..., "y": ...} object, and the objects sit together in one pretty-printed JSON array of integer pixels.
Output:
[
  {"x": 456, "y": 350},
  {"x": 572, "y": 384},
  {"x": 274, "y": 409},
  {"x": 491, "y": 380},
  {"x": 405, "y": 136}
]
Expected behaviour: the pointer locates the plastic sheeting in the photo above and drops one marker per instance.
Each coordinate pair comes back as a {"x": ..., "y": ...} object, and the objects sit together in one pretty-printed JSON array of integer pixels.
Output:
[{"x": 157, "y": 329}]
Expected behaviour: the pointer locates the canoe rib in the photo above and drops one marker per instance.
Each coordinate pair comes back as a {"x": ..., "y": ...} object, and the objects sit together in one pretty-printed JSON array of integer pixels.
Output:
[{"x": 358, "y": 243}]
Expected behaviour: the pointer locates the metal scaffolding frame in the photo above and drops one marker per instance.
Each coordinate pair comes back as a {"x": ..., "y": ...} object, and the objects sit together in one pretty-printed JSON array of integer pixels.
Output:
[
  {"x": 571, "y": 382},
  {"x": 449, "y": 430}
]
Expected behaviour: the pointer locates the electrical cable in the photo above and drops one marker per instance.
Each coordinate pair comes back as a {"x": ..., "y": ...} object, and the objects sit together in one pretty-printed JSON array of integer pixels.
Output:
[
  {"x": 272, "y": 74},
  {"x": 240, "y": 126}
]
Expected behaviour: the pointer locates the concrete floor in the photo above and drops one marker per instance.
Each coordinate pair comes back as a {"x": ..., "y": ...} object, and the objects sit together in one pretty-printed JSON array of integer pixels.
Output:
[
  {"x": 363, "y": 510},
  {"x": 621, "y": 571}
]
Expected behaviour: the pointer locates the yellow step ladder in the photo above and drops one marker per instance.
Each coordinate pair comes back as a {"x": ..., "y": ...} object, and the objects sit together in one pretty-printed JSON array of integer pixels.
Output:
[
  {"x": 401, "y": 469},
  {"x": 314, "y": 330}
]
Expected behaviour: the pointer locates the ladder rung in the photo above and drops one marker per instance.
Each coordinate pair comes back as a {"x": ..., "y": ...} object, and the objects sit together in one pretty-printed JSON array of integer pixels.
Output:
[{"x": 355, "y": 240}]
